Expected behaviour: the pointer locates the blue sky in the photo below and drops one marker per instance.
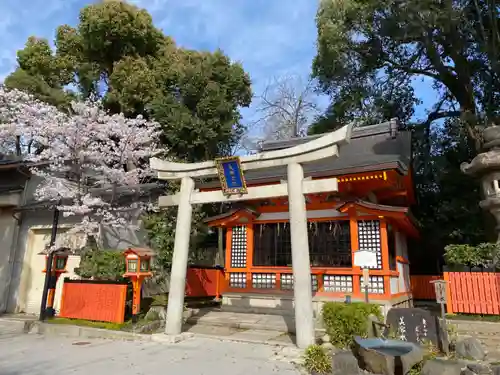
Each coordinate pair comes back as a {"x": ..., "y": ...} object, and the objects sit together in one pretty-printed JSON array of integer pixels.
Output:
[{"x": 271, "y": 38}]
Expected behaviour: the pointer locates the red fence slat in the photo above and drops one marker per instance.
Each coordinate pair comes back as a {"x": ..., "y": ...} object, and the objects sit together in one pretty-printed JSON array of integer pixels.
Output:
[
  {"x": 469, "y": 292},
  {"x": 422, "y": 288},
  {"x": 474, "y": 292},
  {"x": 204, "y": 282}
]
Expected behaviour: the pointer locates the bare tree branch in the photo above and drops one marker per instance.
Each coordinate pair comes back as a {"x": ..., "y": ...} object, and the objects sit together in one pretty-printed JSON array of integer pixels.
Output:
[{"x": 287, "y": 107}]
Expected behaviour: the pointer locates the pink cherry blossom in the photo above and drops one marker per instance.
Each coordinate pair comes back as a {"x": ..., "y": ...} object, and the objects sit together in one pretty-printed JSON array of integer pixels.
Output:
[{"x": 86, "y": 160}]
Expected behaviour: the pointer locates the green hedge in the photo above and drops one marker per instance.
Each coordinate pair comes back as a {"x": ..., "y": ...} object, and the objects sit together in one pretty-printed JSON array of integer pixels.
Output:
[
  {"x": 106, "y": 264},
  {"x": 343, "y": 321},
  {"x": 483, "y": 255}
]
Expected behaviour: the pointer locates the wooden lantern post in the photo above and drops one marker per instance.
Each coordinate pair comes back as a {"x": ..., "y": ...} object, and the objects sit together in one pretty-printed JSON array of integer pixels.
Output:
[
  {"x": 138, "y": 267},
  {"x": 59, "y": 262}
]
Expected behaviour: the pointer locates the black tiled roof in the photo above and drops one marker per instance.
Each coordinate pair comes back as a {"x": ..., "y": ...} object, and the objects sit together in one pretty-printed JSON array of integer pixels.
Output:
[{"x": 375, "y": 147}]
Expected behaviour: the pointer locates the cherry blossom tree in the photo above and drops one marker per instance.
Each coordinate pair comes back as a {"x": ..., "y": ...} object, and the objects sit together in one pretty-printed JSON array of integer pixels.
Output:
[
  {"x": 86, "y": 160},
  {"x": 20, "y": 115}
]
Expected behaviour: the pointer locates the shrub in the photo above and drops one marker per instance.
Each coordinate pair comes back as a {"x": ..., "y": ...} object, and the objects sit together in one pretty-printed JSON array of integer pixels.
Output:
[
  {"x": 317, "y": 360},
  {"x": 101, "y": 265},
  {"x": 160, "y": 300},
  {"x": 416, "y": 369},
  {"x": 152, "y": 316},
  {"x": 343, "y": 321},
  {"x": 482, "y": 255}
]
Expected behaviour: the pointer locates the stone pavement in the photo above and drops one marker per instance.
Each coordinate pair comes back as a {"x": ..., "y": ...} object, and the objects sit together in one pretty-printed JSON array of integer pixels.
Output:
[
  {"x": 10, "y": 329},
  {"x": 212, "y": 317},
  {"x": 45, "y": 355},
  {"x": 269, "y": 337}
]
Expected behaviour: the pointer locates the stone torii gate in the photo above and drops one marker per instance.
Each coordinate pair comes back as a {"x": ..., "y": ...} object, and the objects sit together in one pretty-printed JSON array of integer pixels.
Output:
[{"x": 295, "y": 188}]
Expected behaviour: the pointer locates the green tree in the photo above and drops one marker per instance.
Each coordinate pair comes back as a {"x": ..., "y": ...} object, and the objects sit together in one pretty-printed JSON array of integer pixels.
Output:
[
  {"x": 369, "y": 52},
  {"x": 40, "y": 73},
  {"x": 116, "y": 53},
  {"x": 372, "y": 49},
  {"x": 447, "y": 208}
]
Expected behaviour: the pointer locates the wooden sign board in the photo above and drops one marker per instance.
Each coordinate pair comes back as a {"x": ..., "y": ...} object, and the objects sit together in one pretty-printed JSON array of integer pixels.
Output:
[
  {"x": 440, "y": 289},
  {"x": 366, "y": 277},
  {"x": 365, "y": 259},
  {"x": 231, "y": 175}
]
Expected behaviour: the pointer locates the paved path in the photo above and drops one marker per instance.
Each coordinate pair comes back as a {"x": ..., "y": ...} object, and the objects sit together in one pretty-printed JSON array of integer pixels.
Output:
[{"x": 37, "y": 355}]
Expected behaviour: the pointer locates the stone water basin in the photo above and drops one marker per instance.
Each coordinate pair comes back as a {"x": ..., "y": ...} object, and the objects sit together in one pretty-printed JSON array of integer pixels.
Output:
[
  {"x": 393, "y": 348},
  {"x": 388, "y": 357}
]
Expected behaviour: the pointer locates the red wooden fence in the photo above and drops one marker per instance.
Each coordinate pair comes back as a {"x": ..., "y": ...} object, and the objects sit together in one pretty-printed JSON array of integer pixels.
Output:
[
  {"x": 422, "y": 288},
  {"x": 473, "y": 292},
  {"x": 204, "y": 281},
  {"x": 467, "y": 292},
  {"x": 92, "y": 300},
  {"x": 105, "y": 301}
]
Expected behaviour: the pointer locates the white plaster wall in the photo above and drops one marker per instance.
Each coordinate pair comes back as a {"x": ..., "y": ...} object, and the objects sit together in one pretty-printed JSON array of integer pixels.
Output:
[
  {"x": 32, "y": 278},
  {"x": 33, "y": 225},
  {"x": 403, "y": 269},
  {"x": 401, "y": 279},
  {"x": 395, "y": 285},
  {"x": 8, "y": 229},
  {"x": 401, "y": 245},
  {"x": 40, "y": 222}
]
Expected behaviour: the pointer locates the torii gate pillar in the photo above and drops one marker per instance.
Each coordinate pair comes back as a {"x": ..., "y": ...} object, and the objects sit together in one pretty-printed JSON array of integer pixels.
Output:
[
  {"x": 175, "y": 305},
  {"x": 295, "y": 189},
  {"x": 301, "y": 267}
]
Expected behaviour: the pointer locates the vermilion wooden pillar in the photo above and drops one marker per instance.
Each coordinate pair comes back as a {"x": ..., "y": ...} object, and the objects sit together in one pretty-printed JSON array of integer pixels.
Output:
[
  {"x": 249, "y": 263},
  {"x": 353, "y": 225},
  {"x": 384, "y": 243},
  {"x": 227, "y": 265}
]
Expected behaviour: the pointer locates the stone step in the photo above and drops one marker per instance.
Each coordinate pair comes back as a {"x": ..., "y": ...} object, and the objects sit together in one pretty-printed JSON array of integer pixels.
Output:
[
  {"x": 15, "y": 324},
  {"x": 11, "y": 327},
  {"x": 243, "y": 321}
]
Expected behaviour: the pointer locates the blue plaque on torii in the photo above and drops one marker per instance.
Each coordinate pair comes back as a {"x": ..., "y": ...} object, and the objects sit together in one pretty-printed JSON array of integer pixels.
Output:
[{"x": 231, "y": 175}]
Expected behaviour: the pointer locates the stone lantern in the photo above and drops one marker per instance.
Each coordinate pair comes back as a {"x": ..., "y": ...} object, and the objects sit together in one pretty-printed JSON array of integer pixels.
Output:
[{"x": 486, "y": 166}]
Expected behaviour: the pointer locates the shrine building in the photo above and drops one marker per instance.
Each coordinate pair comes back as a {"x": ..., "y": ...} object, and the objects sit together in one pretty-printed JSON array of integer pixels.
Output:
[{"x": 369, "y": 210}]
